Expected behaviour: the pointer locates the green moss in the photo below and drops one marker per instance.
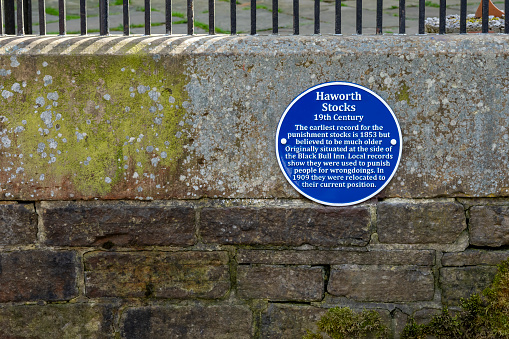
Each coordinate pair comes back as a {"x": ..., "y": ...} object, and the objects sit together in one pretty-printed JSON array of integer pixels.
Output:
[
  {"x": 104, "y": 127},
  {"x": 481, "y": 316},
  {"x": 403, "y": 94},
  {"x": 339, "y": 323}
]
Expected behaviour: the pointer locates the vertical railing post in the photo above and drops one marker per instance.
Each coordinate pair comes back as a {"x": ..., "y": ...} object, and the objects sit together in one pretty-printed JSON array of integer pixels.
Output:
[
  {"x": 317, "y": 17},
  {"x": 19, "y": 14},
  {"x": 463, "y": 16},
  {"x": 379, "y": 14},
  {"x": 190, "y": 17},
  {"x": 275, "y": 17},
  {"x": 441, "y": 19},
  {"x": 83, "y": 17},
  {"x": 233, "y": 17},
  {"x": 42, "y": 17},
  {"x": 61, "y": 17},
  {"x": 402, "y": 17},
  {"x": 27, "y": 14},
  {"x": 296, "y": 17},
  {"x": 10, "y": 18},
  {"x": 148, "y": 19},
  {"x": 253, "y": 17},
  {"x": 212, "y": 17},
  {"x": 485, "y": 16},
  {"x": 358, "y": 19},
  {"x": 422, "y": 14},
  {"x": 168, "y": 17},
  {"x": 337, "y": 25}
]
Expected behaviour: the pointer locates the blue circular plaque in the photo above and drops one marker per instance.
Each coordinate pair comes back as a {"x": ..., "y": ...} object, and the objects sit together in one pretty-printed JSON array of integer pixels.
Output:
[{"x": 338, "y": 143}]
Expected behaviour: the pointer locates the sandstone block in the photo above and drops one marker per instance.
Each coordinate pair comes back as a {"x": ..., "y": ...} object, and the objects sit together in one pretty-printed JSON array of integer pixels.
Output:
[
  {"x": 489, "y": 226},
  {"x": 462, "y": 282},
  {"x": 69, "y": 321},
  {"x": 474, "y": 257},
  {"x": 279, "y": 283},
  {"x": 282, "y": 321},
  {"x": 420, "y": 223},
  {"x": 117, "y": 223},
  {"x": 187, "y": 322},
  {"x": 294, "y": 226},
  {"x": 325, "y": 257},
  {"x": 18, "y": 224},
  {"x": 382, "y": 283},
  {"x": 175, "y": 275},
  {"x": 38, "y": 275}
]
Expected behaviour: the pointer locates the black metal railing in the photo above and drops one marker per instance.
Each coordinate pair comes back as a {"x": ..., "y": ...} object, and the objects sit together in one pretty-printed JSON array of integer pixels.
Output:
[{"x": 17, "y": 17}]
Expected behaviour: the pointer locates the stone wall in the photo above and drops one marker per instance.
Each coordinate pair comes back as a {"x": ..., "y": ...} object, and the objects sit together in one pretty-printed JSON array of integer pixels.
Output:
[{"x": 141, "y": 197}]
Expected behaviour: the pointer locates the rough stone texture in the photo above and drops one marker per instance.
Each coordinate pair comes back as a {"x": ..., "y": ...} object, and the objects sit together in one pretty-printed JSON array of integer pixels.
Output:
[
  {"x": 279, "y": 283},
  {"x": 489, "y": 226},
  {"x": 117, "y": 223},
  {"x": 221, "y": 101},
  {"x": 420, "y": 222},
  {"x": 18, "y": 224},
  {"x": 462, "y": 282},
  {"x": 68, "y": 321},
  {"x": 320, "y": 226},
  {"x": 382, "y": 283},
  {"x": 175, "y": 275},
  {"x": 324, "y": 257},
  {"x": 474, "y": 257},
  {"x": 282, "y": 321},
  {"x": 187, "y": 322},
  {"x": 38, "y": 275}
]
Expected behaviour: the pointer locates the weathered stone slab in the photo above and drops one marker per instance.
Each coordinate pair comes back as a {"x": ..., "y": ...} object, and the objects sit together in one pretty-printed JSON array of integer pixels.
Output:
[
  {"x": 282, "y": 321},
  {"x": 67, "y": 321},
  {"x": 324, "y": 257},
  {"x": 38, "y": 275},
  {"x": 420, "y": 222},
  {"x": 382, "y": 283},
  {"x": 123, "y": 223},
  {"x": 175, "y": 275},
  {"x": 278, "y": 283},
  {"x": 18, "y": 224},
  {"x": 184, "y": 118},
  {"x": 292, "y": 226},
  {"x": 187, "y": 322},
  {"x": 489, "y": 225},
  {"x": 474, "y": 257},
  {"x": 462, "y": 282}
]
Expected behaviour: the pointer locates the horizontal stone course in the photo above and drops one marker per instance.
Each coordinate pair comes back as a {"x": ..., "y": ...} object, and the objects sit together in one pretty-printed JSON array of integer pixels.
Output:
[
  {"x": 65, "y": 321},
  {"x": 328, "y": 257},
  {"x": 420, "y": 222},
  {"x": 474, "y": 257},
  {"x": 279, "y": 283},
  {"x": 291, "y": 226},
  {"x": 462, "y": 282},
  {"x": 18, "y": 224},
  {"x": 489, "y": 225},
  {"x": 382, "y": 283},
  {"x": 117, "y": 223},
  {"x": 187, "y": 322},
  {"x": 38, "y": 275},
  {"x": 176, "y": 275}
]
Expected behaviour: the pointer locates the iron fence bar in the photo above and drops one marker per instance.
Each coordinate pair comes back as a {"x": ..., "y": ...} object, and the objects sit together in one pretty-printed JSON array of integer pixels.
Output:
[
  {"x": 125, "y": 19},
  {"x": 61, "y": 17},
  {"x": 104, "y": 17},
  {"x": 253, "y": 17},
  {"x": 212, "y": 17},
  {"x": 337, "y": 28},
  {"x": 402, "y": 17},
  {"x": 19, "y": 14},
  {"x": 485, "y": 15},
  {"x": 83, "y": 17},
  {"x": 296, "y": 17},
  {"x": 317, "y": 17},
  {"x": 441, "y": 19},
  {"x": 1, "y": 19},
  {"x": 190, "y": 17},
  {"x": 147, "y": 17},
  {"x": 506, "y": 17},
  {"x": 27, "y": 13},
  {"x": 379, "y": 9},
  {"x": 42, "y": 17},
  {"x": 10, "y": 20},
  {"x": 358, "y": 19},
  {"x": 275, "y": 17},
  {"x": 463, "y": 16},
  {"x": 233, "y": 17},
  {"x": 422, "y": 14},
  {"x": 168, "y": 6}
]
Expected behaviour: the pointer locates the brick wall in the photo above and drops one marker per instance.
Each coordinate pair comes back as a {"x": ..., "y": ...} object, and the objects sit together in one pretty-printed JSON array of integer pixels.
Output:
[{"x": 245, "y": 268}]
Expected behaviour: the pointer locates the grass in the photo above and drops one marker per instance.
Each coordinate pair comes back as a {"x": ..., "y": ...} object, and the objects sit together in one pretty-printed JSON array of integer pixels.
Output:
[
  {"x": 142, "y": 9},
  {"x": 53, "y": 11},
  {"x": 431, "y": 4},
  {"x": 92, "y": 30}
]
